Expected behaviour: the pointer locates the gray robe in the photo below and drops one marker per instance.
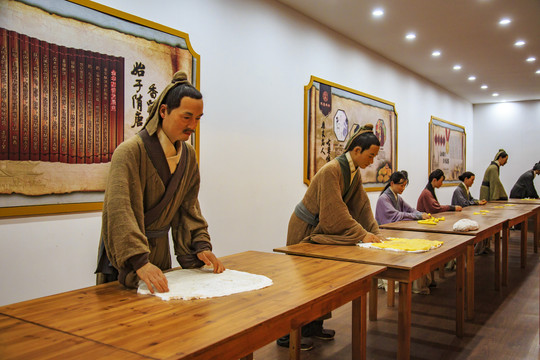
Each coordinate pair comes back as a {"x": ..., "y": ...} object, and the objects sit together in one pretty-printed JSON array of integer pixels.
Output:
[
  {"x": 462, "y": 198},
  {"x": 524, "y": 187}
]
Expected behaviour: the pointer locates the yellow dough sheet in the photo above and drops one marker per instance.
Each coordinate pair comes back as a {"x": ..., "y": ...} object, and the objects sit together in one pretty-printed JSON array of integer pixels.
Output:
[
  {"x": 432, "y": 220},
  {"x": 406, "y": 245},
  {"x": 509, "y": 204}
]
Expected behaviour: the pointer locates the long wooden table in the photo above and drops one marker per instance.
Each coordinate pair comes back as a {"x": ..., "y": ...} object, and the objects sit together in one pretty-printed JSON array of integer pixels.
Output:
[
  {"x": 511, "y": 214},
  {"x": 535, "y": 204},
  {"x": 231, "y": 327},
  {"x": 488, "y": 226},
  {"x": 403, "y": 267}
]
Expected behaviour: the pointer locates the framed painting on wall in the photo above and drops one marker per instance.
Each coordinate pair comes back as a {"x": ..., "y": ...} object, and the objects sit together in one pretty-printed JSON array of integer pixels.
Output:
[
  {"x": 447, "y": 149},
  {"x": 332, "y": 112},
  {"x": 77, "y": 78}
]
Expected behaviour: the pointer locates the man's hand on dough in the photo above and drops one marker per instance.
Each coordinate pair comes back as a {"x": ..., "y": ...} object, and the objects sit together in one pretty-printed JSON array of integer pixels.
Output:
[
  {"x": 371, "y": 238},
  {"x": 210, "y": 259},
  {"x": 153, "y": 277}
]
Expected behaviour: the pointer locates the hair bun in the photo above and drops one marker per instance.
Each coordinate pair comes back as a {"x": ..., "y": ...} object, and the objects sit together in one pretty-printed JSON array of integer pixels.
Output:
[
  {"x": 367, "y": 127},
  {"x": 180, "y": 77}
]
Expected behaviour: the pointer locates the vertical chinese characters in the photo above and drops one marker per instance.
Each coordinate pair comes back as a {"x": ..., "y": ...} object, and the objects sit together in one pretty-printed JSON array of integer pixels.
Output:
[{"x": 137, "y": 99}]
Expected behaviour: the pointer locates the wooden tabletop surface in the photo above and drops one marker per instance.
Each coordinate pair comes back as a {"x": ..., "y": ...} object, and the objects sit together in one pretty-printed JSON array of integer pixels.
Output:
[
  {"x": 224, "y": 327},
  {"x": 504, "y": 210},
  {"x": 487, "y": 224},
  {"x": 23, "y": 340},
  {"x": 519, "y": 201},
  {"x": 391, "y": 259}
]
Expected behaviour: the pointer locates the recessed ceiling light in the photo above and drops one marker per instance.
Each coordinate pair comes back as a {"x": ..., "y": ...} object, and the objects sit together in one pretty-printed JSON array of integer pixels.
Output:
[
  {"x": 531, "y": 59},
  {"x": 410, "y": 36},
  {"x": 457, "y": 67},
  {"x": 538, "y": 71},
  {"x": 472, "y": 78},
  {"x": 505, "y": 21},
  {"x": 436, "y": 53},
  {"x": 519, "y": 43},
  {"x": 495, "y": 94},
  {"x": 484, "y": 87},
  {"x": 377, "y": 12}
]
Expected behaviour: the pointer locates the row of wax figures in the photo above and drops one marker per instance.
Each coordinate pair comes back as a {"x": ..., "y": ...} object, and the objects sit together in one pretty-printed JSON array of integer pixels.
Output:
[{"x": 153, "y": 184}]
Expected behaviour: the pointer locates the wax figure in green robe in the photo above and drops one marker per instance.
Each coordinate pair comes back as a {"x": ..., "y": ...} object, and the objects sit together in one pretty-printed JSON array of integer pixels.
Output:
[
  {"x": 492, "y": 188},
  {"x": 336, "y": 208},
  {"x": 152, "y": 187}
]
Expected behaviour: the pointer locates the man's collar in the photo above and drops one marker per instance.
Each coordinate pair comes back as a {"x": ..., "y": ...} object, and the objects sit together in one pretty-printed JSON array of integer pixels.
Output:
[
  {"x": 351, "y": 162},
  {"x": 168, "y": 147}
]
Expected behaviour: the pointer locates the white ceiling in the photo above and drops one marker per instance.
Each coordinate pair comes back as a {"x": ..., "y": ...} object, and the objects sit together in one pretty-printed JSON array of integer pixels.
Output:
[{"x": 467, "y": 32}]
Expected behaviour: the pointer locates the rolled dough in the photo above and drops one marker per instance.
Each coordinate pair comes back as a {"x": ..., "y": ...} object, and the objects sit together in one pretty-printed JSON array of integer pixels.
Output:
[{"x": 188, "y": 284}]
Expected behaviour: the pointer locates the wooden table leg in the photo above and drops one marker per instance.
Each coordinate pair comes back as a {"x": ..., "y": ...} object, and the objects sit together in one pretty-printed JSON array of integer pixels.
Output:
[
  {"x": 294, "y": 344},
  {"x": 359, "y": 328},
  {"x": 390, "y": 294},
  {"x": 404, "y": 321},
  {"x": 524, "y": 229},
  {"x": 505, "y": 239},
  {"x": 373, "y": 299},
  {"x": 536, "y": 231},
  {"x": 497, "y": 261},
  {"x": 460, "y": 294},
  {"x": 470, "y": 282}
]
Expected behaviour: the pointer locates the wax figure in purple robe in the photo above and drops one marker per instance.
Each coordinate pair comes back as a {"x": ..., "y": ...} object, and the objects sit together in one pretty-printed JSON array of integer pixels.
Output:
[{"x": 391, "y": 207}]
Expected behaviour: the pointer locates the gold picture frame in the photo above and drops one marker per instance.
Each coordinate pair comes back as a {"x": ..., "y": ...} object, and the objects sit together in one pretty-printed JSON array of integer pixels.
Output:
[
  {"x": 447, "y": 149},
  {"x": 49, "y": 181},
  {"x": 331, "y": 112}
]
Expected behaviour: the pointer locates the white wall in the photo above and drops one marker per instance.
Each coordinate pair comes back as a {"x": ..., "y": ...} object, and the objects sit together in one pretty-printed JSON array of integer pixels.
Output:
[
  {"x": 256, "y": 58},
  {"x": 514, "y": 127}
]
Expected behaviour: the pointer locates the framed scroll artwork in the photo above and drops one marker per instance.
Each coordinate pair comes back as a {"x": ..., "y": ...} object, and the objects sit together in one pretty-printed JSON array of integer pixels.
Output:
[
  {"x": 332, "y": 113},
  {"x": 77, "y": 79},
  {"x": 447, "y": 149}
]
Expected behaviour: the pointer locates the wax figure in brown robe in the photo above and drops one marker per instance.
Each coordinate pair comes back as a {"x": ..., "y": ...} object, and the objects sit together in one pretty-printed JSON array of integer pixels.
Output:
[
  {"x": 152, "y": 187},
  {"x": 492, "y": 187},
  {"x": 336, "y": 209}
]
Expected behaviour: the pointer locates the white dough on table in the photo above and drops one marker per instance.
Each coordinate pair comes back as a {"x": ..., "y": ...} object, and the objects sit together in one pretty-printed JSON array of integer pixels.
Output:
[
  {"x": 465, "y": 225},
  {"x": 187, "y": 284}
]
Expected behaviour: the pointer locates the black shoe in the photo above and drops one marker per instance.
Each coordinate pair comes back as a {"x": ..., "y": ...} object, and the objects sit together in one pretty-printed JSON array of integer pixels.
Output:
[
  {"x": 305, "y": 344},
  {"x": 433, "y": 284},
  {"x": 315, "y": 329},
  {"x": 488, "y": 251}
]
